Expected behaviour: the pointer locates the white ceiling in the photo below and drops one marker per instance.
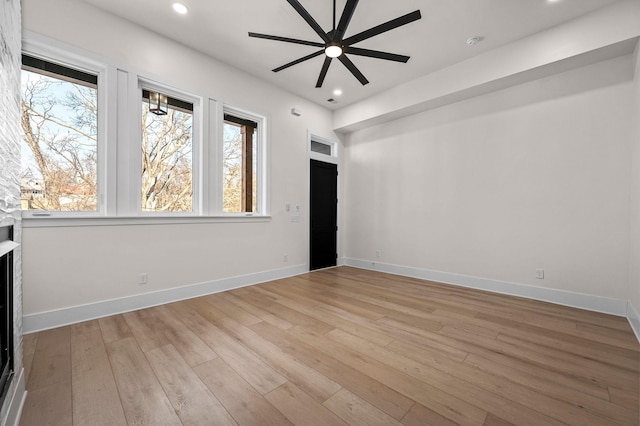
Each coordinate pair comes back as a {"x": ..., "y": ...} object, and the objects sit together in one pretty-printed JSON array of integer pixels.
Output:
[{"x": 219, "y": 29}]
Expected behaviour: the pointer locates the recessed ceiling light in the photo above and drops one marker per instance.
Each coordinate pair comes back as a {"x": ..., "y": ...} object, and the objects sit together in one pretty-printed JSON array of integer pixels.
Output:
[
  {"x": 337, "y": 92},
  {"x": 180, "y": 8}
]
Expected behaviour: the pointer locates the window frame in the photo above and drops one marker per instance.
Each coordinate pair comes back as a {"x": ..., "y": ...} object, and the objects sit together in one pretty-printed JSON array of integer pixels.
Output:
[
  {"x": 327, "y": 158},
  {"x": 198, "y": 183},
  {"x": 119, "y": 153},
  {"x": 261, "y": 162},
  {"x": 78, "y": 62}
]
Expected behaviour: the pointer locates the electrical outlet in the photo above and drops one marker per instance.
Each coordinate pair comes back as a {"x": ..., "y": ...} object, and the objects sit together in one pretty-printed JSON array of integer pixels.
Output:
[
  {"x": 285, "y": 258},
  {"x": 540, "y": 274},
  {"x": 378, "y": 252},
  {"x": 143, "y": 279}
]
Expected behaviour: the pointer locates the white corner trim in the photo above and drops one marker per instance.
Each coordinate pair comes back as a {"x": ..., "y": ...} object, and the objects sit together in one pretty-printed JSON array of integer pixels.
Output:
[
  {"x": 634, "y": 319},
  {"x": 560, "y": 297},
  {"x": 60, "y": 317},
  {"x": 17, "y": 402}
]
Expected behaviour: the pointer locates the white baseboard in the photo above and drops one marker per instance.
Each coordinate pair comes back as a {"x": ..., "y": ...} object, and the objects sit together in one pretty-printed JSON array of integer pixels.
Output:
[
  {"x": 576, "y": 300},
  {"x": 60, "y": 317},
  {"x": 17, "y": 402},
  {"x": 634, "y": 319}
]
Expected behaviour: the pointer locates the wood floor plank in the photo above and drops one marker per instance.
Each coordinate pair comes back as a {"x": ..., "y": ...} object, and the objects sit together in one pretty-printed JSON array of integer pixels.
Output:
[
  {"x": 300, "y": 408},
  {"x": 356, "y": 411},
  {"x": 29, "y": 342},
  {"x": 320, "y": 295},
  {"x": 553, "y": 338},
  {"x": 627, "y": 399},
  {"x": 486, "y": 392},
  {"x": 189, "y": 345},
  {"x": 245, "y": 362},
  {"x": 143, "y": 399},
  {"x": 332, "y": 318},
  {"x": 605, "y": 374},
  {"x": 204, "y": 309},
  {"x": 95, "y": 396},
  {"x": 289, "y": 314},
  {"x": 265, "y": 316},
  {"x": 191, "y": 399},
  {"x": 380, "y": 305},
  {"x": 367, "y": 388},
  {"x": 234, "y": 312},
  {"x": 422, "y": 353},
  {"x": 48, "y": 405},
  {"x": 445, "y": 404},
  {"x": 147, "y": 331},
  {"x": 246, "y": 405},
  {"x": 538, "y": 383},
  {"x": 505, "y": 357},
  {"x": 481, "y": 346},
  {"x": 419, "y": 415},
  {"x": 425, "y": 339},
  {"x": 496, "y": 421},
  {"x": 114, "y": 328},
  {"x": 52, "y": 359},
  {"x": 306, "y": 378}
]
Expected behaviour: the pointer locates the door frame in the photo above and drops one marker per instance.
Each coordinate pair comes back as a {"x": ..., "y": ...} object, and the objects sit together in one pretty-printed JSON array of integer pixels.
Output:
[{"x": 334, "y": 158}]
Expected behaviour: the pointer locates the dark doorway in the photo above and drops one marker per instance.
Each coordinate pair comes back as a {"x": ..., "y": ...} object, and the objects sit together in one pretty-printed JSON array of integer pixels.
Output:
[{"x": 323, "y": 215}]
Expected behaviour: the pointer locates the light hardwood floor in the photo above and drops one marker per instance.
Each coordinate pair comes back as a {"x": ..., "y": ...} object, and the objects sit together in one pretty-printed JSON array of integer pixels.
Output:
[{"x": 334, "y": 347}]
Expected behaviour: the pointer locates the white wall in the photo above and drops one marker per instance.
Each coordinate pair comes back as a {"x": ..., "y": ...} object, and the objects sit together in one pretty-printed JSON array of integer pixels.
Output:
[
  {"x": 534, "y": 176},
  {"x": 72, "y": 266}
]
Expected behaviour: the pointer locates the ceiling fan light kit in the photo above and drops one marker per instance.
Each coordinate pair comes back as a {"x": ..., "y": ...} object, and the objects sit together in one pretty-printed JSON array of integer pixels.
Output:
[
  {"x": 333, "y": 50},
  {"x": 334, "y": 45}
]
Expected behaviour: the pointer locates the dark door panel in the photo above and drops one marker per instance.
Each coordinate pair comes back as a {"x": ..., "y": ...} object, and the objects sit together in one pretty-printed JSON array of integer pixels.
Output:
[{"x": 323, "y": 214}]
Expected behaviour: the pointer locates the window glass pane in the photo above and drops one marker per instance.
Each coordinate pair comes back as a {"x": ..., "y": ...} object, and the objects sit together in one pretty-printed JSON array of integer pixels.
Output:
[
  {"x": 240, "y": 165},
  {"x": 320, "y": 148},
  {"x": 167, "y": 159},
  {"x": 60, "y": 148}
]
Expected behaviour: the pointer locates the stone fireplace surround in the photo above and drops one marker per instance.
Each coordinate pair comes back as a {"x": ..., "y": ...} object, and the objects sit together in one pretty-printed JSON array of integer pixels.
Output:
[{"x": 10, "y": 48}]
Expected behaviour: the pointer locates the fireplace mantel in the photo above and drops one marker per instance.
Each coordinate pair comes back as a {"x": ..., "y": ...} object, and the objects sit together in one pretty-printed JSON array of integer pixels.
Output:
[{"x": 7, "y": 246}]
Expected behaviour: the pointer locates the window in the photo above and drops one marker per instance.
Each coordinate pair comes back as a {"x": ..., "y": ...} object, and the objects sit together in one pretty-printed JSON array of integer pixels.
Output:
[
  {"x": 167, "y": 154},
  {"x": 103, "y": 142},
  {"x": 240, "y": 164},
  {"x": 60, "y": 144},
  {"x": 321, "y": 148}
]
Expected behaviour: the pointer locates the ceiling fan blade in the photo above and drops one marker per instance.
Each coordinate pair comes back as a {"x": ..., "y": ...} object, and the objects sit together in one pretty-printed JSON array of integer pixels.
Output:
[
  {"x": 355, "y": 71},
  {"x": 323, "y": 71},
  {"x": 347, "y": 14},
  {"x": 307, "y": 17},
  {"x": 376, "y": 54},
  {"x": 297, "y": 61},
  {"x": 379, "y": 29},
  {"x": 286, "y": 39}
]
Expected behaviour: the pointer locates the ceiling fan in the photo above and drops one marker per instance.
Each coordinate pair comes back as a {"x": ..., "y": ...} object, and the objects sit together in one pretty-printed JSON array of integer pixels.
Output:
[{"x": 334, "y": 45}]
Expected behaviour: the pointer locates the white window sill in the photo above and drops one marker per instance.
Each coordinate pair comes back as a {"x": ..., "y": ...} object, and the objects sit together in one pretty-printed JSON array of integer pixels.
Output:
[{"x": 52, "y": 221}]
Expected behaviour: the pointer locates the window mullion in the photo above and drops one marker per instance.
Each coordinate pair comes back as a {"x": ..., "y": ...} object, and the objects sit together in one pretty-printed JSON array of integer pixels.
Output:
[{"x": 247, "y": 169}]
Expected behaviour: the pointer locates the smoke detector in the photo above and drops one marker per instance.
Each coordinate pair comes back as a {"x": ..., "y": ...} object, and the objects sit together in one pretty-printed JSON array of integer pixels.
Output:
[{"x": 472, "y": 41}]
